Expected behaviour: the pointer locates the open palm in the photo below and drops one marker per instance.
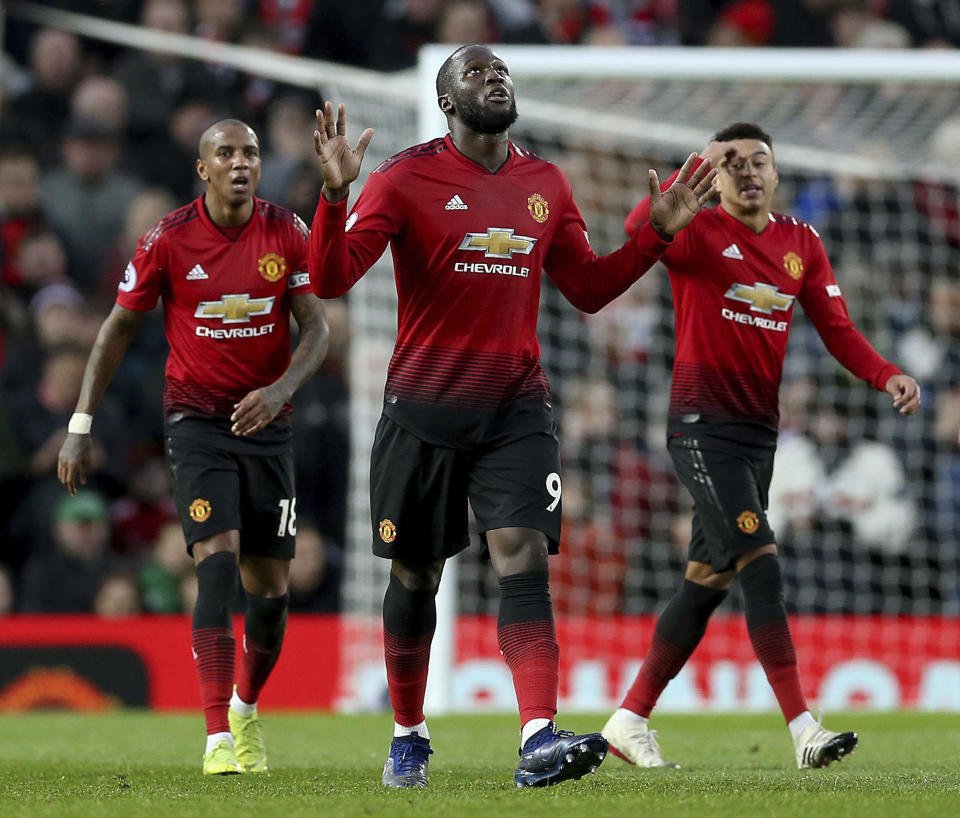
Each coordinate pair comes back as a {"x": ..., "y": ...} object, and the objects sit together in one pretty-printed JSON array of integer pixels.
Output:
[
  {"x": 674, "y": 209},
  {"x": 339, "y": 163}
]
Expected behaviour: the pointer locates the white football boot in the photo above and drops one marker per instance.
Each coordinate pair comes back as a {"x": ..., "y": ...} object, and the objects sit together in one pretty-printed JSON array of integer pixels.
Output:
[
  {"x": 817, "y": 747},
  {"x": 631, "y": 739}
]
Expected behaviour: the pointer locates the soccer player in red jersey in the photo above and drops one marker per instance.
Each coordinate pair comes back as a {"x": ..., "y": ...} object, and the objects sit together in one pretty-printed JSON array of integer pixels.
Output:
[
  {"x": 736, "y": 273},
  {"x": 230, "y": 269},
  {"x": 473, "y": 221}
]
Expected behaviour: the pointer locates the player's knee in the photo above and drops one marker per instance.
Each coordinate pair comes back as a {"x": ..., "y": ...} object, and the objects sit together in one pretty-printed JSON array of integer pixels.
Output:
[
  {"x": 745, "y": 559},
  {"x": 517, "y": 551},
  {"x": 418, "y": 577},
  {"x": 702, "y": 573}
]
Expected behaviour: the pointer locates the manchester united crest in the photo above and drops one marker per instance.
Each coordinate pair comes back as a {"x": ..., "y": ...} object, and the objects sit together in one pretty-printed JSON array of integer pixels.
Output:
[
  {"x": 200, "y": 510},
  {"x": 748, "y": 521},
  {"x": 793, "y": 264},
  {"x": 539, "y": 208},
  {"x": 272, "y": 267},
  {"x": 388, "y": 531}
]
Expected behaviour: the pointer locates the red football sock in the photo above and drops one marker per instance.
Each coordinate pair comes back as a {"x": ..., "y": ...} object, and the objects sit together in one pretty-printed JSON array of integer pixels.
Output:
[
  {"x": 662, "y": 663},
  {"x": 533, "y": 656},
  {"x": 214, "y": 650},
  {"x": 679, "y": 630},
  {"x": 774, "y": 648},
  {"x": 528, "y": 642},
  {"x": 408, "y": 660}
]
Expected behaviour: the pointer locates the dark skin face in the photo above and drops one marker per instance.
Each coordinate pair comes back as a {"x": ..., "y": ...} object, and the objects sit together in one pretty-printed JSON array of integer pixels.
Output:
[
  {"x": 230, "y": 165},
  {"x": 480, "y": 106}
]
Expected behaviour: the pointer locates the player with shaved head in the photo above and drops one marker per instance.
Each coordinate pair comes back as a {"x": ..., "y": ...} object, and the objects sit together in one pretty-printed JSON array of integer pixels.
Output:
[
  {"x": 474, "y": 221},
  {"x": 230, "y": 269}
]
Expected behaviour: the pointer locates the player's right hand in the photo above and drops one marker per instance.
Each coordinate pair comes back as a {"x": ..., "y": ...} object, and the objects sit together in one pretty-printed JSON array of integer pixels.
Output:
[
  {"x": 73, "y": 462},
  {"x": 339, "y": 163}
]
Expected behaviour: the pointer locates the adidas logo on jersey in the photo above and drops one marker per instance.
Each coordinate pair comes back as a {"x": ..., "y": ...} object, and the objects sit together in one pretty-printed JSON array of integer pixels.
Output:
[
  {"x": 456, "y": 203},
  {"x": 732, "y": 252},
  {"x": 197, "y": 273}
]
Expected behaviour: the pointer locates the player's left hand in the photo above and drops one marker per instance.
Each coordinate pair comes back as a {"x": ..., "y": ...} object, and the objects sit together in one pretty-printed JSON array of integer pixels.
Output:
[
  {"x": 256, "y": 410},
  {"x": 674, "y": 209},
  {"x": 906, "y": 393}
]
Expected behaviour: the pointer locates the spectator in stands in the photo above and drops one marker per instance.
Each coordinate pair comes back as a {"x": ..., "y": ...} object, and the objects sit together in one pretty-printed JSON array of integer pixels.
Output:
[
  {"x": 289, "y": 117},
  {"x": 164, "y": 573},
  {"x": 7, "y": 597},
  {"x": 20, "y": 211},
  {"x": 87, "y": 198},
  {"x": 101, "y": 99},
  {"x": 67, "y": 579},
  {"x": 40, "y": 262},
  {"x": 147, "y": 507},
  {"x": 117, "y": 596},
  {"x": 157, "y": 83},
  {"x": 405, "y": 26},
  {"x": 38, "y": 115},
  {"x": 316, "y": 571}
]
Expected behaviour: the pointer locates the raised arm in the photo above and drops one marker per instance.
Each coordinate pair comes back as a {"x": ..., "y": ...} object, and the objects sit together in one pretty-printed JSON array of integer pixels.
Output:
[
  {"x": 336, "y": 259},
  {"x": 116, "y": 333},
  {"x": 590, "y": 282},
  {"x": 716, "y": 152},
  {"x": 257, "y": 408}
]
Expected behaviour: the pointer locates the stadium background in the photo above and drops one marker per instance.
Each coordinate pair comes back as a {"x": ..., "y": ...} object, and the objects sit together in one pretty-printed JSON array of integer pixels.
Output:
[{"x": 865, "y": 502}]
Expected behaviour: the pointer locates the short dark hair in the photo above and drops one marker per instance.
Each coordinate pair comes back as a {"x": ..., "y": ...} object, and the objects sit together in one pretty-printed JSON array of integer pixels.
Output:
[
  {"x": 445, "y": 75},
  {"x": 743, "y": 130}
]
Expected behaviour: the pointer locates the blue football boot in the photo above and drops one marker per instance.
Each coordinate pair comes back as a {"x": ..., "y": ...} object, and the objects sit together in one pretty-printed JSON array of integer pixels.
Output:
[
  {"x": 551, "y": 756},
  {"x": 407, "y": 763}
]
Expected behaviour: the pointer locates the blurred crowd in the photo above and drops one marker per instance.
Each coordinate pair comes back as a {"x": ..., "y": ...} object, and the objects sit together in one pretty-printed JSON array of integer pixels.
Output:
[
  {"x": 96, "y": 145},
  {"x": 98, "y": 142}
]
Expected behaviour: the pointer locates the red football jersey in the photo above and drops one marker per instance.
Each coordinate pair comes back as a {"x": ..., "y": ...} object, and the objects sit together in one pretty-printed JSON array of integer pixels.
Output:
[
  {"x": 734, "y": 292},
  {"x": 469, "y": 248},
  {"x": 226, "y": 301}
]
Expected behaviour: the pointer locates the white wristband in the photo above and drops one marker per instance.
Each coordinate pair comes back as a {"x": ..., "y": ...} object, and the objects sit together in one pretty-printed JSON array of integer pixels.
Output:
[{"x": 80, "y": 423}]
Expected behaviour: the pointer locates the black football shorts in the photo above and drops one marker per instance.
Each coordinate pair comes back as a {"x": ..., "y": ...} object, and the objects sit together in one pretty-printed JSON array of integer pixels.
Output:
[
  {"x": 217, "y": 490},
  {"x": 419, "y": 492},
  {"x": 730, "y": 491}
]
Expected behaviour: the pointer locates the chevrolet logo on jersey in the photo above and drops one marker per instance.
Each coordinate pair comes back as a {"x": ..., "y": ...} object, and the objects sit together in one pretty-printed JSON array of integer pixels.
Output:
[
  {"x": 235, "y": 309},
  {"x": 763, "y": 298},
  {"x": 498, "y": 242}
]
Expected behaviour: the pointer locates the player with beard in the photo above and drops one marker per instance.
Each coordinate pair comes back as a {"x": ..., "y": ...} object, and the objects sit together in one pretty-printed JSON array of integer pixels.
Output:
[
  {"x": 230, "y": 268},
  {"x": 473, "y": 221},
  {"x": 737, "y": 273}
]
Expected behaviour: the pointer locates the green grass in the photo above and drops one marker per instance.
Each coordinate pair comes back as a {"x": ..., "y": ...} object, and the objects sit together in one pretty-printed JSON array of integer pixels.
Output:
[{"x": 135, "y": 763}]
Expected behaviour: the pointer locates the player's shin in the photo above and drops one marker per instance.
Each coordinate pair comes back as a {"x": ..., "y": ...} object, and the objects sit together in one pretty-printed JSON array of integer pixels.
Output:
[
  {"x": 264, "y": 628},
  {"x": 678, "y": 632},
  {"x": 528, "y": 642},
  {"x": 214, "y": 646},
  {"x": 409, "y": 620},
  {"x": 766, "y": 614}
]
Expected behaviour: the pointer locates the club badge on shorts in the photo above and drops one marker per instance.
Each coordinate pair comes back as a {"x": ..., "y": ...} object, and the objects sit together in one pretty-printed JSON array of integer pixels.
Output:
[
  {"x": 200, "y": 510},
  {"x": 748, "y": 522},
  {"x": 388, "y": 531}
]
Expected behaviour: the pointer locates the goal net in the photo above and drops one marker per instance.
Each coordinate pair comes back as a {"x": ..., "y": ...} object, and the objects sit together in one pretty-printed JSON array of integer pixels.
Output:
[{"x": 864, "y": 501}]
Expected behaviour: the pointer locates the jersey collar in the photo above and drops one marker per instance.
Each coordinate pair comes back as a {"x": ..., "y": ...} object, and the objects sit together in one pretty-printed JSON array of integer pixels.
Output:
[
  {"x": 209, "y": 223},
  {"x": 739, "y": 224},
  {"x": 476, "y": 166}
]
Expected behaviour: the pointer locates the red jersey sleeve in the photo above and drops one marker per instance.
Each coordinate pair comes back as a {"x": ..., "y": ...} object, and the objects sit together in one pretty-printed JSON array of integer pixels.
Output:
[
  {"x": 298, "y": 275},
  {"x": 145, "y": 276},
  {"x": 589, "y": 281},
  {"x": 341, "y": 249},
  {"x": 823, "y": 302}
]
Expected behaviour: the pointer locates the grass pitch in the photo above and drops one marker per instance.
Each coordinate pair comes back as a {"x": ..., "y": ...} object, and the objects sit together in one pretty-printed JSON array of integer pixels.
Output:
[{"x": 137, "y": 764}]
